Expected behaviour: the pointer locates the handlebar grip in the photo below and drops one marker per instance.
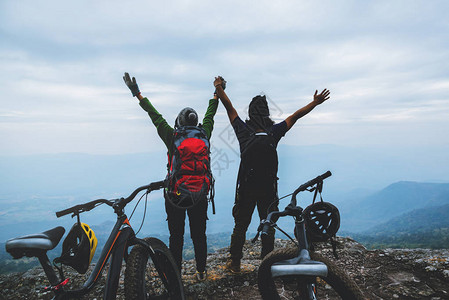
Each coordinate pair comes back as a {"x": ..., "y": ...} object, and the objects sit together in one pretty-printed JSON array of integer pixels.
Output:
[
  {"x": 69, "y": 210},
  {"x": 157, "y": 185},
  {"x": 325, "y": 175},
  {"x": 63, "y": 212}
]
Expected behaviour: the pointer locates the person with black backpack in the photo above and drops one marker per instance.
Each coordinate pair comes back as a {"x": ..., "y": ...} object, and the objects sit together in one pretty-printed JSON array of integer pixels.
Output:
[
  {"x": 189, "y": 181},
  {"x": 257, "y": 177}
]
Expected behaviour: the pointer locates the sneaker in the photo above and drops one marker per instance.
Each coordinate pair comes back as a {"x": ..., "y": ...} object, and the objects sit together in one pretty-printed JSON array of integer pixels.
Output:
[
  {"x": 233, "y": 266},
  {"x": 201, "y": 276}
]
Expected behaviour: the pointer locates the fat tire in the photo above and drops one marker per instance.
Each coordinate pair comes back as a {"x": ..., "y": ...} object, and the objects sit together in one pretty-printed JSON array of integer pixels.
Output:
[
  {"x": 136, "y": 268},
  {"x": 342, "y": 284}
]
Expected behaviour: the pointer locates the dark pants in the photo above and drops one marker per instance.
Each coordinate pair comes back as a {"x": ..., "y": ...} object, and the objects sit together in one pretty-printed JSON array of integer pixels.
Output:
[
  {"x": 243, "y": 210},
  {"x": 197, "y": 223}
]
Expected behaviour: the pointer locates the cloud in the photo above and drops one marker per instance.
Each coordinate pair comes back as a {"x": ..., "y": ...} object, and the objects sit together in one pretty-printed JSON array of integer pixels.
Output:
[
  {"x": 117, "y": 22},
  {"x": 62, "y": 63}
]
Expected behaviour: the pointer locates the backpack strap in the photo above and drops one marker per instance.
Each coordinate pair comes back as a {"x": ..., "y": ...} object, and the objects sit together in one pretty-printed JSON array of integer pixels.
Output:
[
  {"x": 176, "y": 131},
  {"x": 238, "y": 182},
  {"x": 212, "y": 193},
  {"x": 239, "y": 173}
]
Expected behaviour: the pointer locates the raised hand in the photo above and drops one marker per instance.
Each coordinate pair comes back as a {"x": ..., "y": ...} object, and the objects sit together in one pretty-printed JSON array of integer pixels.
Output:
[
  {"x": 132, "y": 84},
  {"x": 220, "y": 81},
  {"x": 323, "y": 96}
]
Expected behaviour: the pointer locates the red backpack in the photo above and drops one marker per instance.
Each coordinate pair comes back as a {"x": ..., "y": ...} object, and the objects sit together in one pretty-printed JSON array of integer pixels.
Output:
[{"x": 189, "y": 178}]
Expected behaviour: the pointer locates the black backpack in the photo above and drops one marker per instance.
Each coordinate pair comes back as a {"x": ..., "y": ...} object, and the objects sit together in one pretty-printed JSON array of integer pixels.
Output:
[{"x": 259, "y": 162}]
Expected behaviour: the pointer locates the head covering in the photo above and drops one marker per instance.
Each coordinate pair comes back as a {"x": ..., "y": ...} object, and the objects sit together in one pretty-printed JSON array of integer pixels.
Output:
[{"x": 187, "y": 117}]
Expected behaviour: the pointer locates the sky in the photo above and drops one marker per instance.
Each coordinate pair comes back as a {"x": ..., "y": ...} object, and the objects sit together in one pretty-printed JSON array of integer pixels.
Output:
[{"x": 386, "y": 64}]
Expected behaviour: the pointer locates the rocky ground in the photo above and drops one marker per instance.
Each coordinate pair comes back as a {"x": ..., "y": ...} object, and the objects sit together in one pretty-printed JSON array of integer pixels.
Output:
[{"x": 381, "y": 274}]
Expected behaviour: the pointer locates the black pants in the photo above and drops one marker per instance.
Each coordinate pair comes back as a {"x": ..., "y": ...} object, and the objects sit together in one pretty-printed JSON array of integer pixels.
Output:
[
  {"x": 243, "y": 210},
  {"x": 197, "y": 223}
]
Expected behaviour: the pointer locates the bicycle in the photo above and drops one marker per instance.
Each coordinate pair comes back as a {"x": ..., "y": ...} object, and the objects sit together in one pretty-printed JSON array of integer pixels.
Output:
[
  {"x": 292, "y": 272},
  {"x": 150, "y": 273}
]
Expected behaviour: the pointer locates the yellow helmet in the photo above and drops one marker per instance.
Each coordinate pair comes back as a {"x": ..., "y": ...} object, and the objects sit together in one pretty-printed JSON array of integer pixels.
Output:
[{"x": 79, "y": 247}]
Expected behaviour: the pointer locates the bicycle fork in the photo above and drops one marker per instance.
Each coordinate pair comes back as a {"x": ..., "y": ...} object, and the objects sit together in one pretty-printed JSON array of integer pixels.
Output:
[{"x": 301, "y": 265}]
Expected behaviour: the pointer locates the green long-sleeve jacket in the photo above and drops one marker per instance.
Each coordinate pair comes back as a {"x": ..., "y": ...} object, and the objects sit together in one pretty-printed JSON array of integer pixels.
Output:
[{"x": 165, "y": 131}]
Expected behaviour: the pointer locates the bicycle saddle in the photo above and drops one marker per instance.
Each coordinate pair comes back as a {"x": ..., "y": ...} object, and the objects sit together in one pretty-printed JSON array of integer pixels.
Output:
[
  {"x": 300, "y": 265},
  {"x": 34, "y": 244}
]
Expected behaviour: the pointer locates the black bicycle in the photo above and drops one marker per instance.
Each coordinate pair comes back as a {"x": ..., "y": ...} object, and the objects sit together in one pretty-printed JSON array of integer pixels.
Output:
[
  {"x": 291, "y": 273},
  {"x": 151, "y": 271}
]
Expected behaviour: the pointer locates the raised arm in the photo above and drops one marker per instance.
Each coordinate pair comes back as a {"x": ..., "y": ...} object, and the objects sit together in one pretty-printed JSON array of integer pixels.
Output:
[
  {"x": 232, "y": 113},
  {"x": 317, "y": 100},
  {"x": 164, "y": 130},
  {"x": 208, "y": 120}
]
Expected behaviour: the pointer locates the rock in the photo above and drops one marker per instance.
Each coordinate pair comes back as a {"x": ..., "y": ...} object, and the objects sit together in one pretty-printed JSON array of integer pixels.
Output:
[{"x": 381, "y": 274}]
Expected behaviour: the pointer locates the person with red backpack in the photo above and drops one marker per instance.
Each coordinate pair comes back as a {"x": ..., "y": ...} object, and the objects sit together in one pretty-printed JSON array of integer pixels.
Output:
[
  {"x": 257, "y": 177},
  {"x": 189, "y": 180}
]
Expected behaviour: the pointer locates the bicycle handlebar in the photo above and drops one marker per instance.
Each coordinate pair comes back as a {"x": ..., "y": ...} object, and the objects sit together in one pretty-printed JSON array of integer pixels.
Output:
[
  {"x": 119, "y": 202},
  {"x": 150, "y": 187},
  {"x": 312, "y": 182},
  {"x": 291, "y": 209},
  {"x": 82, "y": 207}
]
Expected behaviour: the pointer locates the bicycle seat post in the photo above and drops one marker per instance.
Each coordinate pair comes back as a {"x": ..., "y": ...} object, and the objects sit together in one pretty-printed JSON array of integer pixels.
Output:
[{"x": 48, "y": 269}]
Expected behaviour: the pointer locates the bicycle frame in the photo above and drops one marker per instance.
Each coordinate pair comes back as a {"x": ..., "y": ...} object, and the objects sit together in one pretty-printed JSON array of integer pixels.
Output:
[{"x": 121, "y": 238}]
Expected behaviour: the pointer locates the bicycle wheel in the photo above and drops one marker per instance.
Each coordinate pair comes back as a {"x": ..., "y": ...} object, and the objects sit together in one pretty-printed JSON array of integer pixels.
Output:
[
  {"x": 142, "y": 279},
  {"x": 294, "y": 287}
]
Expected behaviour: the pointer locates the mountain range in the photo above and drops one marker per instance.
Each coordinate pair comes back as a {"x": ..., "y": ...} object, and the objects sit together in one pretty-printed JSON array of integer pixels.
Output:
[
  {"x": 364, "y": 186},
  {"x": 396, "y": 200}
]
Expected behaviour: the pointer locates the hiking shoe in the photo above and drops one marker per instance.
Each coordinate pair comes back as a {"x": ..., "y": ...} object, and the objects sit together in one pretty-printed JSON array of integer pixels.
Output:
[
  {"x": 201, "y": 276},
  {"x": 233, "y": 266}
]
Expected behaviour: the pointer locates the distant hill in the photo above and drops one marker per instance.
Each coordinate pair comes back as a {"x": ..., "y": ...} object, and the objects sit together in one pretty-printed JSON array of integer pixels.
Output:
[
  {"x": 390, "y": 202},
  {"x": 420, "y": 228},
  {"x": 417, "y": 221}
]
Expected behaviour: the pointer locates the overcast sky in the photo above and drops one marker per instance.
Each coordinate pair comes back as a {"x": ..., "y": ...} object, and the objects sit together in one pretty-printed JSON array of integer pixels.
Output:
[{"x": 386, "y": 64}]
